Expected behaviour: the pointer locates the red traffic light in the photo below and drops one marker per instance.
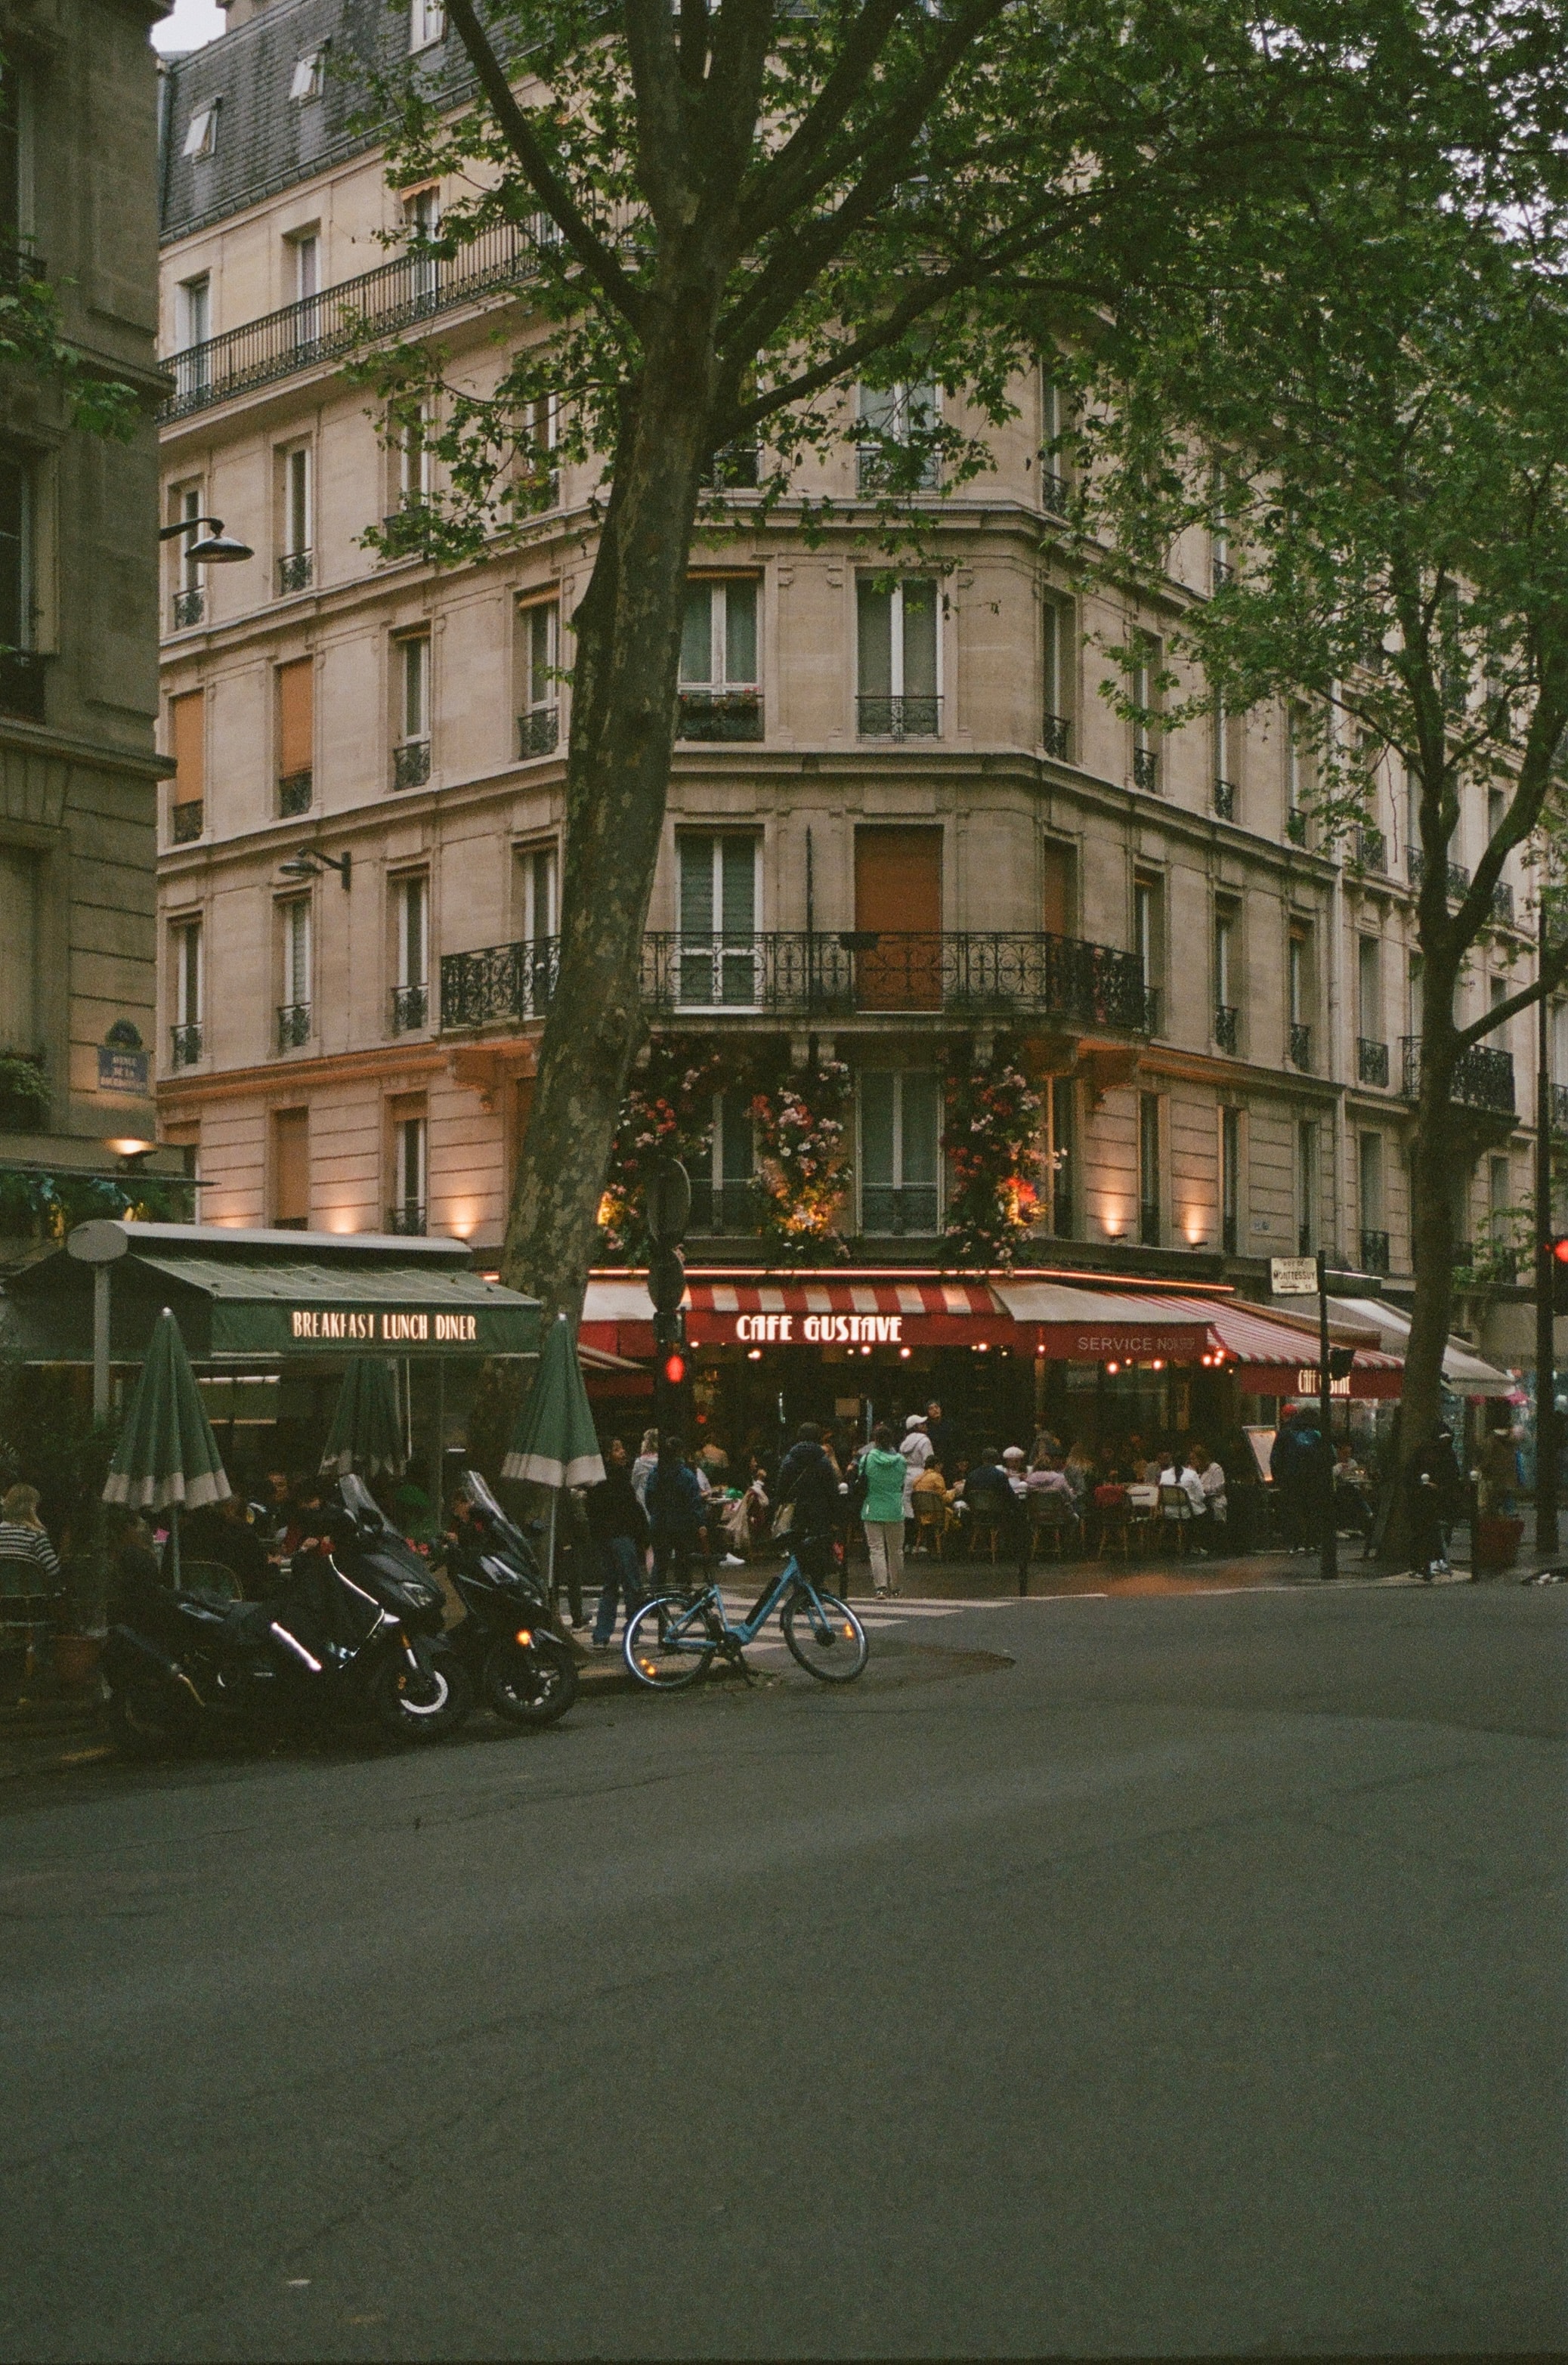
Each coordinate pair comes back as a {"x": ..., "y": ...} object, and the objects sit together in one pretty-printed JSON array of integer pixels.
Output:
[
  {"x": 1559, "y": 1250},
  {"x": 673, "y": 1368}
]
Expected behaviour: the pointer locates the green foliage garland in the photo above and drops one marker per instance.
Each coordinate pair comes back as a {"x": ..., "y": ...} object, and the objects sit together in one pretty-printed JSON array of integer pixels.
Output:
[{"x": 992, "y": 1140}]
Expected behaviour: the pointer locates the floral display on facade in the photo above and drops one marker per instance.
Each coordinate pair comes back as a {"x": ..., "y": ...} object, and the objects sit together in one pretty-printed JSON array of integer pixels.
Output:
[
  {"x": 992, "y": 1140},
  {"x": 804, "y": 1170},
  {"x": 668, "y": 1112}
]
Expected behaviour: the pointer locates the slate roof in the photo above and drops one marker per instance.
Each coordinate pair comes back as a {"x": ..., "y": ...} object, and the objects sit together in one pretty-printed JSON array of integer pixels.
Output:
[{"x": 266, "y": 140}]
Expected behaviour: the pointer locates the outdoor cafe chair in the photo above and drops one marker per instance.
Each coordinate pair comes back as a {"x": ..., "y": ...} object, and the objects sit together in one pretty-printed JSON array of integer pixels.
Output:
[
  {"x": 1176, "y": 1510},
  {"x": 1113, "y": 1517},
  {"x": 931, "y": 1521},
  {"x": 1053, "y": 1516}
]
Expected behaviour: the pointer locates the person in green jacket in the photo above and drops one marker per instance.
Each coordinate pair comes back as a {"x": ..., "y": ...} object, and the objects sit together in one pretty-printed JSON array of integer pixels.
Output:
[{"x": 881, "y": 1514}]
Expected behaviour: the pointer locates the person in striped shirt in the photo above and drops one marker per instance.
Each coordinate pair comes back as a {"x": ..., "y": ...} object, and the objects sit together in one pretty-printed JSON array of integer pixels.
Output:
[{"x": 28, "y": 1567}]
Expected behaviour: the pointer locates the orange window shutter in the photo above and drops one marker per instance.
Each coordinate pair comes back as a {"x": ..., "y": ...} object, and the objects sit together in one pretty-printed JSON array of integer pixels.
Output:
[
  {"x": 1054, "y": 890},
  {"x": 186, "y": 719},
  {"x": 295, "y": 717},
  {"x": 292, "y": 1165}
]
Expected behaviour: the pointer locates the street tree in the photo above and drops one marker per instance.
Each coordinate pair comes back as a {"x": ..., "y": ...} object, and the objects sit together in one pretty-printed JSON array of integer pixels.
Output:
[
  {"x": 734, "y": 215},
  {"x": 1370, "y": 418}
]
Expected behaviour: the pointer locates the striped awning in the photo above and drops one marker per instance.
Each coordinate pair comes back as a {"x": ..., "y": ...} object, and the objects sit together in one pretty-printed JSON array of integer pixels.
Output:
[{"x": 807, "y": 1310}]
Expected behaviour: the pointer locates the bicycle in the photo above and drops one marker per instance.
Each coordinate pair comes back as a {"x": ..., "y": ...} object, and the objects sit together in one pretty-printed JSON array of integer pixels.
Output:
[{"x": 674, "y": 1639}]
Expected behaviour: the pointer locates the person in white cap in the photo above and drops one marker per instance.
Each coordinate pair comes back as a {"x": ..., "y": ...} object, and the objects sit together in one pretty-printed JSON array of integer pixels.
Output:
[{"x": 916, "y": 1447}]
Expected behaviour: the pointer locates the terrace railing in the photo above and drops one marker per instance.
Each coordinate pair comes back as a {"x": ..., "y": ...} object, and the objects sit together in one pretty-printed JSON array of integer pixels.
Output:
[{"x": 1484, "y": 1078}]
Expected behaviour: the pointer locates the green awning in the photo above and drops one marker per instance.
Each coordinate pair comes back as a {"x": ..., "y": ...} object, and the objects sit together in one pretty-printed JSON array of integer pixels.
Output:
[{"x": 272, "y": 1297}]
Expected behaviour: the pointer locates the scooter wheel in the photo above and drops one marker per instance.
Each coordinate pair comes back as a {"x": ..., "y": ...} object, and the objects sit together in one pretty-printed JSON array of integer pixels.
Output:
[
  {"x": 533, "y": 1684},
  {"x": 144, "y": 1722},
  {"x": 420, "y": 1709}
]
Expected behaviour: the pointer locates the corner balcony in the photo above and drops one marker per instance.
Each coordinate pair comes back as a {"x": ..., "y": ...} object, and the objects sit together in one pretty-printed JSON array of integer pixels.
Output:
[
  {"x": 795, "y": 973},
  {"x": 1482, "y": 1078}
]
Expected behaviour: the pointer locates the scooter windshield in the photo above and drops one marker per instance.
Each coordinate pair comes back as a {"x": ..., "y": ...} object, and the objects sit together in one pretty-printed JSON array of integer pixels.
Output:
[
  {"x": 361, "y": 1504},
  {"x": 485, "y": 1503}
]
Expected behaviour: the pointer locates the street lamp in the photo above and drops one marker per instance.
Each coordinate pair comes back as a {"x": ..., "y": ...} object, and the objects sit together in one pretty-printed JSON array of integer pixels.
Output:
[
  {"x": 214, "y": 549},
  {"x": 309, "y": 864}
]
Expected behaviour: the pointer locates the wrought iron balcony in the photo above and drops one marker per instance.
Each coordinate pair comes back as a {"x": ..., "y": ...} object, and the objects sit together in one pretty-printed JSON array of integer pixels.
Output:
[
  {"x": 1482, "y": 1078},
  {"x": 1221, "y": 572},
  {"x": 1559, "y": 1108},
  {"x": 1374, "y": 1252},
  {"x": 538, "y": 732},
  {"x": 899, "y": 1211},
  {"x": 293, "y": 572},
  {"x": 1224, "y": 800},
  {"x": 1372, "y": 1060},
  {"x": 721, "y": 1210},
  {"x": 294, "y": 791},
  {"x": 734, "y": 468},
  {"x": 188, "y": 607},
  {"x": 185, "y": 820},
  {"x": 1503, "y": 903},
  {"x": 406, "y": 1218},
  {"x": 1295, "y": 824},
  {"x": 1369, "y": 848},
  {"x": 1055, "y": 496},
  {"x": 17, "y": 265},
  {"x": 185, "y": 1045},
  {"x": 1479, "y": 1264},
  {"x": 293, "y": 1025},
  {"x": 1458, "y": 876},
  {"x": 899, "y": 718},
  {"x": 410, "y": 1008},
  {"x": 411, "y": 763},
  {"x": 725, "y": 714},
  {"x": 1146, "y": 769},
  {"x": 1057, "y": 735},
  {"x": 1301, "y": 1045},
  {"x": 878, "y": 464},
  {"x": 22, "y": 684},
  {"x": 1227, "y": 1025},
  {"x": 330, "y": 325},
  {"x": 810, "y": 974}
]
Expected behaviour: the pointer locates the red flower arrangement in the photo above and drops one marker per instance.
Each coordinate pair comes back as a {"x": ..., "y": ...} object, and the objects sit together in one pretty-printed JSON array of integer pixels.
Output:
[
  {"x": 667, "y": 1112},
  {"x": 993, "y": 1142},
  {"x": 803, "y": 1173}
]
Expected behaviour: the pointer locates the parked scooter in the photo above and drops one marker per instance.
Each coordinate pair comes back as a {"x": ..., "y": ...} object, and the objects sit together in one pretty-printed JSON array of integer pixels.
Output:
[
  {"x": 527, "y": 1672},
  {"x": 356, "y": 1626}
]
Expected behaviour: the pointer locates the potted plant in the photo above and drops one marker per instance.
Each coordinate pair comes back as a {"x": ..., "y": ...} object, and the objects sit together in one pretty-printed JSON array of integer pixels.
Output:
[{"x": 24, "y": 1093}]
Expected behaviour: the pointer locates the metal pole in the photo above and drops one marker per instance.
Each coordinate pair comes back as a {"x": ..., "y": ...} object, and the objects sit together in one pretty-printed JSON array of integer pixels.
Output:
[
  {"x": 438, "y": 1442},
  {"x": 1545, "y": 1278},
  {"x": 100, "y": 1342},
  {"x": 1325, "y": 1414}
]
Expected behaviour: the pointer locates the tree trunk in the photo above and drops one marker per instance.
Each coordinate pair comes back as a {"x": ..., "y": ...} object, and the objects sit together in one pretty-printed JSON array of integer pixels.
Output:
[
  {"x": 627, "y": 631},
  {"x": 1437, "y": 1145}
]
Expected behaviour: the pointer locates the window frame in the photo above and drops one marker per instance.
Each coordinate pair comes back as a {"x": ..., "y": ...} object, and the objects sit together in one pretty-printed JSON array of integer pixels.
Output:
[{"x": 900, "y": 1183}]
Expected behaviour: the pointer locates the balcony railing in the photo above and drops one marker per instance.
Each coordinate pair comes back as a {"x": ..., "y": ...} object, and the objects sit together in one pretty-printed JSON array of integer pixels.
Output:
[
  {"x": 721, "y": 1210},
  {"x": 1227, "y": 1025},
  {"x": 1369, "y": 848},
  {"x": 21, "y": 684},
  {"x": 1301, "y": 1045},
  {"x": 1372, "y": 1061},
  {"x": 899, "y": 1211},
  {"x": 1055, "y": 494},
  {"x": 899, "y": 718},
  {"x": 185, "y": 1045},
  {"x": 293, "y": 572},
  {"x": 406, "y": 1218},
  {"x": 1295, "y": 824},
  {"x": 396, "y": 295},
  {"x": 293, "y": 1025},
  {"x": 810, "y": 974},
  {"x": 294, "y": 791},
  {"x": 1483, "y": 1077},
  {"x": 18, "y": 265},
  {"x": 188, "y": 607},
  {"x": 411, "y": 763},
  {"x": 1559, "y": 1108},
  {"x": 1145, "y": 768},
  {"x": 538, "y": 732},
  {"x": 722, "y": 714},
  {"x": 185, "y": 820},
  {"x": 1478, "y": 1263},
  {"x": 1374, "y": 1252},
  {"x": 1057, "y": 735},
  {"x": 410, "y": 1008},
  {"x": 1458, "y": 876},
  {"x": 1224, "y": 800},
  {"x": 734, "y": 468},
  {"x": 1503, "y": 903},
  {"x": 877, "y": 465}
]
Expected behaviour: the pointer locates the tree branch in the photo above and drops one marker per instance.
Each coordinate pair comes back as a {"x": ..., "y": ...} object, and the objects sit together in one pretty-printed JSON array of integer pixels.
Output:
[
  {"x": 662, "y": 148},
  {"x": 783, "y": 182}
]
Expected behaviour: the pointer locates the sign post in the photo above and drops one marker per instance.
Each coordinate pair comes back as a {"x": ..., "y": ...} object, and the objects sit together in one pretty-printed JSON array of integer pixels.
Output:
[
  {"x": 667, "y": 1212},
  {"x": 1307, "y": 1277}
]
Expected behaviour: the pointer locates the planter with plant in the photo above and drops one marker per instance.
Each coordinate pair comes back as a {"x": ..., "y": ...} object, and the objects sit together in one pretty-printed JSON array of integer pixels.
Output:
[
  {"x": 993, "y": 1141},
  {"x": 804, "y": 1170}
]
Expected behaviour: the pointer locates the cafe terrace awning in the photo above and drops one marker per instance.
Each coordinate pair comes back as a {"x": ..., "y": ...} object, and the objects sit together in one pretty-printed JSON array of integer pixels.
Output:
[
  {"x": 1276, "y": 1356},
  {"x": 1464, "y": 1371},
  {"x": 800, "y": 1310},
  {"x": 272, "y": 1296},
  {"x": 1097, "y": 1326}
]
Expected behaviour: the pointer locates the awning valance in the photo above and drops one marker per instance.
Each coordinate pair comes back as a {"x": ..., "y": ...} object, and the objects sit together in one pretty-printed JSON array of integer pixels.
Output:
[{"x": 1095, "y": 1325}]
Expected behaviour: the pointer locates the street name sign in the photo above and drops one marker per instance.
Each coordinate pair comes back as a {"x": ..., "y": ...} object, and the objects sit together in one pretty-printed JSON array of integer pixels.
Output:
[{"x": 1294, "y": 1276}]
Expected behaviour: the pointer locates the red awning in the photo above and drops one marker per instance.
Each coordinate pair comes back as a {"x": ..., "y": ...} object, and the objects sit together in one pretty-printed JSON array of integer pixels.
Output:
[
  {"x": 834, "y": 1311},
  {"x": 1277, "y": 1357}
]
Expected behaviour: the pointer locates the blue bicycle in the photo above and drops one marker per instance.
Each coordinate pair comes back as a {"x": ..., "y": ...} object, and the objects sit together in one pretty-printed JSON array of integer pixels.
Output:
[{"x": 675, "y": 1639}]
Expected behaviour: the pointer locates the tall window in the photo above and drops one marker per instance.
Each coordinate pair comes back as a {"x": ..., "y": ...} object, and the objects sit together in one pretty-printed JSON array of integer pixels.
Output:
[
  {"x": 295, "y": 735},
  {"x": 185, "y": 947},
  {"x": 1372, "y": 1049},
  {"x": 185, "y": 507},
  {"x": 294, "y": 1007},
  {"x": 1062, "y": 1132},
  {"x": 1226, "y": 751},
  {"x": 193, "y": 326},
  {"x": 295, "y": 563},
  {"x": 898, "y": 659},
  {"x": 305, "y": 265},
  {"x": 416, "y": 460},
  {"x": 1374, "y": 1234},
  {"x": 898, "y": 416},
  {"x": 1229, "y": 1179},
  {"x": 1227, "y": 981},
  {"x": 421, "y": 218},
  {"x": 538, "y": 478},
  {"x": 17, "y": 588},
  {"x": 538, "y": 727},
  {"x": 1056, "y": 621},
  {"x": 1295, "y": 775},
  {"x": 187, "y": 736},
  {"x": 1053, "y": 460},
  {"x": 19, "y": 980},
  {"x": 410, "y": 1149},
  {"x": 411, "y": 757},
  {"x": 1149, "y": 1194},
  {"x": 410, "y": 916},
  {"x": 1307, "y": 1240},
  {"x": 427, "y": 23},
  {"x": 11, "y": 227},
  {"x": 1298, "y": 997},
  {"x": 901, "y": 1126},
  {"x": 722, "y": 1197},
  {"x": 1143, "y": 689},
  {"x": 718, "y": 918},
  {"x": 719, "y": 694},
  {"x": 539, "y": 898}
]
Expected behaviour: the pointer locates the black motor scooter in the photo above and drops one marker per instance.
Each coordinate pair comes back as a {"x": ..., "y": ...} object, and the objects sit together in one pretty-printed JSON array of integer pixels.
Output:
[
  {"x": 355, "y": 1627},
  {"x": 528, "y": 1673}
]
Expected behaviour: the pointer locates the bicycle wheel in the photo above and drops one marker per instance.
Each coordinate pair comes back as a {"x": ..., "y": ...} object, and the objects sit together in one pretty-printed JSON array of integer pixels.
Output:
[
  {"x": 671, "y": 1641},
  {"x": 826, "y": 1636}
]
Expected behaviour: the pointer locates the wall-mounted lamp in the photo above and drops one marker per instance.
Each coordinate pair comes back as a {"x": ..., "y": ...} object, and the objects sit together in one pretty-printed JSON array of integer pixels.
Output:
[{"x": 310, "y": 865}]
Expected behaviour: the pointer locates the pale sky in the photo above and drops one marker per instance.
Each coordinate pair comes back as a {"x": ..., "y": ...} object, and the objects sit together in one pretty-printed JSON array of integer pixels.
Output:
[{"x": 193, "y": 23}]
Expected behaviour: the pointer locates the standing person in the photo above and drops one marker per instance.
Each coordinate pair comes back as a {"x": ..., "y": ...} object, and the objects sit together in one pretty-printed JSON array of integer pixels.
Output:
[
  {"x": 674, "y": 1505},
  {"x": 618, "y": 1526},
  {"x": 943, "y": 1433},
  {"x": 29, "y": 1569},
  {"x": 808, "y": 1478},
  {"x": 1434, "y": 1502},
  {"x": 1296, "y": 1466},
  {"x": 916, "y": 1447},
  {"x": 882, "y": 1466},
  {"x": 643, "y": 1467},
  {"x": 994, "y": 1491},
  {"x": 1500, "y": 1469}
]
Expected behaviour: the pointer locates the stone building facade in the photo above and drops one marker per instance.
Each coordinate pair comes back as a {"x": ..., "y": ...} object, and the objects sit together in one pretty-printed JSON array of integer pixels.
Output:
[
  {"x": 901, "y": 819},
  {"x": 78, "y": 692}
]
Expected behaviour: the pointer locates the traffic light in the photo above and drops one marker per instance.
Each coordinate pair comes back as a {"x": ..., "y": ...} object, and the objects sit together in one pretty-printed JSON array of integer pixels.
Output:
[
  {"x": 1557, "y": 1256},
  {"x": 672, "y": 1370},
  {"x": 1341, "y": 1363}
]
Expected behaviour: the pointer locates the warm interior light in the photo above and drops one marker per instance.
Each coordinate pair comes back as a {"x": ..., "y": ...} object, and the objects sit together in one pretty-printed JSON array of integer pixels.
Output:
[
  {"x": 1113, "y": 1367},
  {"x": 131, "y": 1148},
  {"x": 754, "y": 1354},
  {"x": 1157, "y": 1364},
  {"x": 904, "y": 1353}
]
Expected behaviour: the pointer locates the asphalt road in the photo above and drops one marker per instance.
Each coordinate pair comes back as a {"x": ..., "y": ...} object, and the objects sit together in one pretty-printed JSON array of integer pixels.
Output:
[{"x": 1193, "y": 1982}]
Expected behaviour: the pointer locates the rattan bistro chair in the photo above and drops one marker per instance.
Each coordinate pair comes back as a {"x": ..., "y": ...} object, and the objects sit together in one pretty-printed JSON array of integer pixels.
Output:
[
  {"x": 931, "y": 1521},
  {"x": 1054, "y": 1517},
  {"x": 1176, "y": 1512}
]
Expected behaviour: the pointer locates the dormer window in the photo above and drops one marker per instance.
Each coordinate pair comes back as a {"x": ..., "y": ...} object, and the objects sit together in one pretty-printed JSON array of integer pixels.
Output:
[
  {"x": 309, "y": 75},
  {"x": 201, "y": 133},
  {"x": 427, "y": 23}
]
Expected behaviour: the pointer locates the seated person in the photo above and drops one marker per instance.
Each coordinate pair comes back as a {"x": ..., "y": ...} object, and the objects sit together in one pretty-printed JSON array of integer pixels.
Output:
[
  {"x": 1179, "y": 1471},
  {"x": 929, "y": 1490},
  {"x": 1048, "y": 1481},
  {"x": 1211, "y": 1478}
]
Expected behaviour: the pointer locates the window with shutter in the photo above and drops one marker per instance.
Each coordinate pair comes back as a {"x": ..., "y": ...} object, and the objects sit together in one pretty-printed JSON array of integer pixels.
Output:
[{"x": 718, "y": 918}]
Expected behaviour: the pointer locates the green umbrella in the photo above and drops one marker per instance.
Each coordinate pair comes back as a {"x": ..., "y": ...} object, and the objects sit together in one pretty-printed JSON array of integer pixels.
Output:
[
  {"x": 555, "y": 1443},
  {"x": 167, "y": 1457},
  {"x": 366, "y": 1433}
]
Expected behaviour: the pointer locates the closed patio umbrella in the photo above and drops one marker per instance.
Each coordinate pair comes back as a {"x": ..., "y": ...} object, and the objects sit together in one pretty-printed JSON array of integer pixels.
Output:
[
  {"x": 555, "y": 1443},
  {"x": 167, "y": 1458},
  {"x": 366, "y": 1434}
]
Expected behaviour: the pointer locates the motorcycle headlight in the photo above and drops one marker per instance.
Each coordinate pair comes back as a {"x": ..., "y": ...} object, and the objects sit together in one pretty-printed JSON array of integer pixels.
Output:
[{"x": 523, "y": 1635}]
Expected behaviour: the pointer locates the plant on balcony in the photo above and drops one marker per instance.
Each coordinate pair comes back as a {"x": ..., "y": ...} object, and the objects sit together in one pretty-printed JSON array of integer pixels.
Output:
[
  {"x": 992, "y": 1140},
  {"x": 24, "y": 1093},
  {"x": 803, "y": 1170},
  {"x": 666, "y": 1113},
  {"x": 43, "y": 1206}
]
